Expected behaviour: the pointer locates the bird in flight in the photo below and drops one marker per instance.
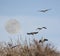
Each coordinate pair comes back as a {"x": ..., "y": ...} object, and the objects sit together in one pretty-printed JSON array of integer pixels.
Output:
[
  {"x": 32, "y": 33},
  {"x": 41, "y": 28},
  {"x": 45, "y": 10},
  {"x": 43, "y": 40},
  {"x": 44, "y": 27}
]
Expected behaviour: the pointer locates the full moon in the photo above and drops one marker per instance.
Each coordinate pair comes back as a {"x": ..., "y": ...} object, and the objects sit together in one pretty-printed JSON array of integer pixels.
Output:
[{"x": 12, "y": 26}]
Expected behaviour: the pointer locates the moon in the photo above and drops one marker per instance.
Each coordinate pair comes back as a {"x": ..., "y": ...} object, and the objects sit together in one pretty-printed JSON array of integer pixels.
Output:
[{"x": 12, "y": 26}]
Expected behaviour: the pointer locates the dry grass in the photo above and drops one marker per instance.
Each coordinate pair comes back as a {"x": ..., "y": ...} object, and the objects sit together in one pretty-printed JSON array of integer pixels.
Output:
[{"x": 31, "y": 49}]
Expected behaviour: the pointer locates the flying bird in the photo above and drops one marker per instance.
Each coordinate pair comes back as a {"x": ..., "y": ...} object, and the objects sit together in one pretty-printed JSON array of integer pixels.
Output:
[
  {"x": 44, "y": 27},
  {"x": 41, "y": 28},
  {"x": 45, "y": 10},
  {"x": 43, "y": 40},
  {"x": 32, "y": 33}
]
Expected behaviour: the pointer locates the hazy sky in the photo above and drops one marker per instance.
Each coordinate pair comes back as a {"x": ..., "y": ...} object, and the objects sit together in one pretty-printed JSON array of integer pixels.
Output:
[{"x": 26, "y": 12}]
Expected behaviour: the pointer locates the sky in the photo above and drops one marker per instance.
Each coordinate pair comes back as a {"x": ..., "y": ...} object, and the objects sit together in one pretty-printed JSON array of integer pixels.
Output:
[{"x": 26, "y": 12}]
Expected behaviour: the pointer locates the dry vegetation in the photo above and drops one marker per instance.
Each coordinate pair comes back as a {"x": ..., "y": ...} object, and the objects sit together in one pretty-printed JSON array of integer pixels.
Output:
[{"x": 31, "y": 49}]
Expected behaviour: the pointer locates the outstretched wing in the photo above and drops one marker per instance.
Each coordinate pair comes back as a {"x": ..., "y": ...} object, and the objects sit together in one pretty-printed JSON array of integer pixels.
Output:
[
  {"x": 28, "y": 33},
  {"x": 32, "y": 33},
  {"x": 39, "y": 28},
  {"x": 35, "y": 32},
  {"x": 45, "y": 39},
  {"x": 44, "y": 10},
  {"x": 44, "y": 27}
]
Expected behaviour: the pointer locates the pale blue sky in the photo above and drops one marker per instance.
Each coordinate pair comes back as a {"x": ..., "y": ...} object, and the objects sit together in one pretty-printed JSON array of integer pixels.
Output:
[{"x": 25, "y": 11}]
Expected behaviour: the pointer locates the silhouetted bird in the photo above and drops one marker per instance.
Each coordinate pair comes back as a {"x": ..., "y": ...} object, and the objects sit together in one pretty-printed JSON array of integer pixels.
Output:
[
  {"x": 45, "y": 10},
  {"x": 32, "y": 33},
  {"x": 44, "y": 27},
  {"x": 43, "y": 40},
  {"x": 41, "y": 28}
]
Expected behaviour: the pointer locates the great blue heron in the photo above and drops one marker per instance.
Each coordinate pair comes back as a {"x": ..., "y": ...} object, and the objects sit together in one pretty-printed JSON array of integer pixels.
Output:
[
  {"x": 45, "y": 10},
  {"x": 32, "y": 33}
]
